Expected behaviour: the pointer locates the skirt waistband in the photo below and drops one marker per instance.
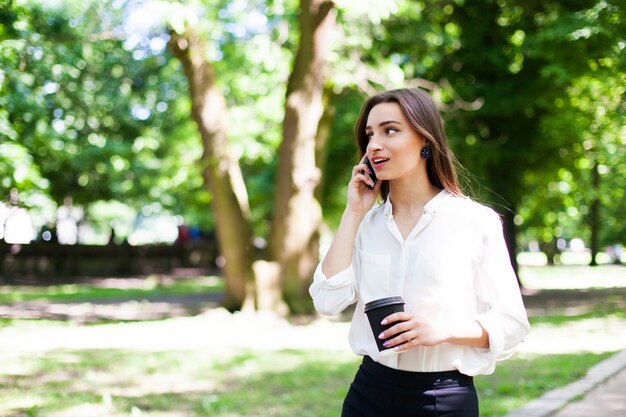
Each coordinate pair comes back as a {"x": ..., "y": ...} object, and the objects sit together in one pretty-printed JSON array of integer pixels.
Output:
[{"x": 411, "y": 379}]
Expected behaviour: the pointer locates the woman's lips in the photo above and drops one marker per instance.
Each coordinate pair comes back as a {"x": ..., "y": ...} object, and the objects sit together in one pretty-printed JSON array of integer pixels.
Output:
[{"x": 378, "y": 163}]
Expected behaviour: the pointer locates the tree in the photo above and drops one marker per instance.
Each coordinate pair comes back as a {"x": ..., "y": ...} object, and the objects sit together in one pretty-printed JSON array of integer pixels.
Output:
[
  {"x": 87, "y": 116},
  {"x": 222, "y": 174},
  {"x": 297, "y": 214},
  {"x": 517, "y": 59}
]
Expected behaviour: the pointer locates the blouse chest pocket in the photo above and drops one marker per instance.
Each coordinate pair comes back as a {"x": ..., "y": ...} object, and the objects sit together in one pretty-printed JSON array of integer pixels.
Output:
[
  {"x": 374, "y": 276},
  {"x": 438, "y": 271},
  {"x": 430, "y": 262}
]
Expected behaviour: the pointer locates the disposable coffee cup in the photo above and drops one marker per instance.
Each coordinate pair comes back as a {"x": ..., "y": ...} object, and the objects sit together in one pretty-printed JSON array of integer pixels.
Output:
[{"x": 376, "y": 311}]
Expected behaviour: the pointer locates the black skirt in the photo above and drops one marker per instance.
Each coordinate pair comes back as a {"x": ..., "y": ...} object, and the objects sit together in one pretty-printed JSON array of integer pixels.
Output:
[{"x": 380, "y": 391}]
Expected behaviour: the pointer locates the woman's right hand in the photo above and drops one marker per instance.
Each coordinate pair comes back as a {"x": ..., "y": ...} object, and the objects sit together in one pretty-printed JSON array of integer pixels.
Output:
[{"x": 360, "y": 197}]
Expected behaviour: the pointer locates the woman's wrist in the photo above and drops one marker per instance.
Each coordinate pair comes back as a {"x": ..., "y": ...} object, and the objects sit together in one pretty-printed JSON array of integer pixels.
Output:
[
  {"x": 468, "y": 333},
  {"x": 353, "y": 215}
]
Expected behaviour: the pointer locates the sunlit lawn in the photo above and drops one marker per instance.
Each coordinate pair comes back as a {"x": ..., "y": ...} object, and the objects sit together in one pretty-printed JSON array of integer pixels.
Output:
[
  {"x": 285, "y": 383},
  {"x": 111, "y": 383},
  {"x": 151, "y": 286}
]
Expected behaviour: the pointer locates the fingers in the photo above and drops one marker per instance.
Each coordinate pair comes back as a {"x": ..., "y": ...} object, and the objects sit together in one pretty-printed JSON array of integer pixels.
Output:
[
  {"x": 399, "y": 328},
  {"x": 361, "y": 167},
  {"x": 403, "y": 335},
  {"x": 413, "y": 331},
  {"x": 405, "y": 324},
  {"x": 402, "y": 342},
  {"x": 361, "y": 173},
  {"x": 392, "y": 318}
]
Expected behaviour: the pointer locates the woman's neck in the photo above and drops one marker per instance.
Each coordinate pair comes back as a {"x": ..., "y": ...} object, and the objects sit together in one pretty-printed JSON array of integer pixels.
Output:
[{"x": 411, "y": 194}]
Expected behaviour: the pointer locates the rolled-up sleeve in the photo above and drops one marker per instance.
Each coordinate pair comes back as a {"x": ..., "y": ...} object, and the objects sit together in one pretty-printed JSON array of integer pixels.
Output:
[
  {"x": 332, "y": 295},
  {"x": 503, "y": 315}
]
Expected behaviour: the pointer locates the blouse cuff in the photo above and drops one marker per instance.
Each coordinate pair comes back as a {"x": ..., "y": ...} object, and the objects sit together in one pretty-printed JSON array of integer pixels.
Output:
[
  {"x": 340, "y": 279},
  {"x": 496, "y": 337},
  {"x": 332, "y": 295}
]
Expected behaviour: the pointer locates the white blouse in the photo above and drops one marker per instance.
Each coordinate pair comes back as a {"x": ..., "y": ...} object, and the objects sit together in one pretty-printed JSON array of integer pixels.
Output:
[{"x": 453, "y": 265}]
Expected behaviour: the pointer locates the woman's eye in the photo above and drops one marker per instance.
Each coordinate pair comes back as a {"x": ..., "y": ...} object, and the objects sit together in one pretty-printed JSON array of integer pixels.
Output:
[
  {"x": 369, "y": 135},
  {"x": 390, "y": 131}
]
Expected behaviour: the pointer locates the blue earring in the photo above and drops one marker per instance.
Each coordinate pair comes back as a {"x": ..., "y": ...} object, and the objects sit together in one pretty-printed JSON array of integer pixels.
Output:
[{"x": 425, "y": 152}]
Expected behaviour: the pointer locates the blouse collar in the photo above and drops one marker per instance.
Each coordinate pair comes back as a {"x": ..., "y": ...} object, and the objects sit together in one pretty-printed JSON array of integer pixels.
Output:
[{"x": 431, "y": 206}]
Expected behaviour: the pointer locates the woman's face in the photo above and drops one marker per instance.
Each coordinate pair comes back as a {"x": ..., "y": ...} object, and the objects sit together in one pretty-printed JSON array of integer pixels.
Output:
[{"x": 394, "y": 147}]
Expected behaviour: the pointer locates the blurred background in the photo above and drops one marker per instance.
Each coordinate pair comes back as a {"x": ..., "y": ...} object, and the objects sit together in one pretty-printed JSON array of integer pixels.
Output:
[
  {"x": 130, "y": 123},
  {"x": 208, "y": 143}
]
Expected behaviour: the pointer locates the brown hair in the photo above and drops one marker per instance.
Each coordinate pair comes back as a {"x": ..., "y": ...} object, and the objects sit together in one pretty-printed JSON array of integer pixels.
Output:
[{"x": 422, "y": 113}]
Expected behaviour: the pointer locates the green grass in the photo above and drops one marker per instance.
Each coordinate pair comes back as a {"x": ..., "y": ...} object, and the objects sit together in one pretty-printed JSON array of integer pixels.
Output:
[
  {"x": 597, "y": 312},
  {"x": 611, "y": 307},
  {"x": 85, "y": 292},
  {"x": 112, "y": 383},
  {"x": 518, "y": 380},
  {"x": 277, "y": 384}
]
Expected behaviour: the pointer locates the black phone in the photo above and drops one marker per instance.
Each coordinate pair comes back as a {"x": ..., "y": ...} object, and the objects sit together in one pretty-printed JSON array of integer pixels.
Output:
[{"x": 372, "y": 175}]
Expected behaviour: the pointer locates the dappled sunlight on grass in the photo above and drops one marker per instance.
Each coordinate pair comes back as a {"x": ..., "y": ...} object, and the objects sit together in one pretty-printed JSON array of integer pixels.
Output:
[
  {"x": 286, "y": 383},
  {"x": 220, "y": 364},
  {"x": 109, "y": 382},
  {"x": 597, "y": 335},
  {"x": 106, "y": 288},
  {"x": 525, "y": 377},
  {"x": 274, "y": 384},
  {"x": 573, "y": 276},
  {"x": 93, "y": 383}
]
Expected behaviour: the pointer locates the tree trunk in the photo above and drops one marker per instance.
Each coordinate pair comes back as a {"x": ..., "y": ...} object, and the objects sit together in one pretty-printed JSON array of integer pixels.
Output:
[
  {"x": 294, "y": 236},
  {"x": 323, "y": 134},
  {"x": 221, "y": 173},
  {"x": 595, "y": 214},
  {"x": 550, "y": 249}
]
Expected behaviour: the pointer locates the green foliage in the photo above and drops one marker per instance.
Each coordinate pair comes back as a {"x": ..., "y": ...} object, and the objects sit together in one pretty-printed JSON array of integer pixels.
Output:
[
  {"x": 93, "y": 106},
  {"x": 341, "y": 155},
  {"x": 93, "y": 117},
  {"x": 547, "y": 78}
]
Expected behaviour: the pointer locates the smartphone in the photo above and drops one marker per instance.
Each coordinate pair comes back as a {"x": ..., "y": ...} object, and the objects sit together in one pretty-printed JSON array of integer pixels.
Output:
[{"x": 372, "y": 175}]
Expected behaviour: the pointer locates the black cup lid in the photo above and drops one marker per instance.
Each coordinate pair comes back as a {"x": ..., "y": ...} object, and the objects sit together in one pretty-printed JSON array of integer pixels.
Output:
[{"x": 382, "y": 302}]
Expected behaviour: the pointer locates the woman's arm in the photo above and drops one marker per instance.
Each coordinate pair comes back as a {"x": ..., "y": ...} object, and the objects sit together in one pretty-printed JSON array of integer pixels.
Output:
[
  {"x": 334, "y": 282},
  {"x": 339, "y": 256},
  {"x": 418, "y": 331},
  {"x": 360, "y": 200}
]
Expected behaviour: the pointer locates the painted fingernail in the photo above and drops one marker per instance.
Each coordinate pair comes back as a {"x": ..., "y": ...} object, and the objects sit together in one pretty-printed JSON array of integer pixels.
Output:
[
  {"x": 386, "y": 344},
  {"x": 381, "y": 336},
  {"x": 383, "y": 322}
]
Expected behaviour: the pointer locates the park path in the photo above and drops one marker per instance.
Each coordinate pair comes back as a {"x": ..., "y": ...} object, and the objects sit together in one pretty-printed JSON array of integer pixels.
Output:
[
  {"x": 606, "y": 400},
  {"x": 599, "y": 393},
  {"x": 117, "y": 309}
]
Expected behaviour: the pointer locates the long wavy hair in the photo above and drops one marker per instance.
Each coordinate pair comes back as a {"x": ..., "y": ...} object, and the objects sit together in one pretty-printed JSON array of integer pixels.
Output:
[{"x": 422, "y": 113}]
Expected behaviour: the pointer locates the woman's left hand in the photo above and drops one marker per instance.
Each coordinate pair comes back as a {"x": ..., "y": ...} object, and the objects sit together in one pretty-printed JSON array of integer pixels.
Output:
[{"x": 412, "y": 331}]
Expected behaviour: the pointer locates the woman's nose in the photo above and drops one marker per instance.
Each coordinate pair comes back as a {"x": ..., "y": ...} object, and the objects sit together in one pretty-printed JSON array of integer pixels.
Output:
[{"x": 373, "y": 145}]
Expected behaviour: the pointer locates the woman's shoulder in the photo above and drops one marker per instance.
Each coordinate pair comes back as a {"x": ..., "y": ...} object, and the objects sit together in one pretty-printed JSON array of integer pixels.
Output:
[
  {"x": 376, "y": 212},
  {"x": 471, "y": 209}
]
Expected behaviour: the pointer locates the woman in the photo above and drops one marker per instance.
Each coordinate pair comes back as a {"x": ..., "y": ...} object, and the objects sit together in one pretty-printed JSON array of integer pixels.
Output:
[{"x": 426, "y": 242}]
